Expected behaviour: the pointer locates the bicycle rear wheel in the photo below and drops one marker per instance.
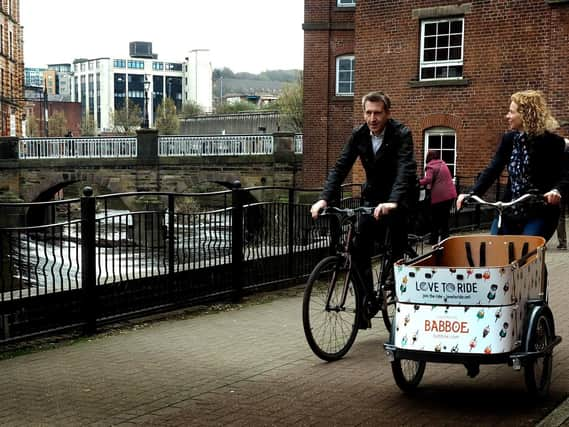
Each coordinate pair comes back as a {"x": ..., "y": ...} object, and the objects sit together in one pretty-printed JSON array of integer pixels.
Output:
[
  {"x": 386, "y": 289},
  {"x": 331, "y": 309},
  {"x": 386, "y": 279}
]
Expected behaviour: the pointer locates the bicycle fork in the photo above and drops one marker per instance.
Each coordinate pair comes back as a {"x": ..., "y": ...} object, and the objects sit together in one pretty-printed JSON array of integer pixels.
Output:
[{"x": 341, "y": 304}]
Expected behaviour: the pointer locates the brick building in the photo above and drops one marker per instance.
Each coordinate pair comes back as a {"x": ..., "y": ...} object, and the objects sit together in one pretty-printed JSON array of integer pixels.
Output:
[
  {"x": 449, "y": 68},
  {"x": 11, "y": 69}
]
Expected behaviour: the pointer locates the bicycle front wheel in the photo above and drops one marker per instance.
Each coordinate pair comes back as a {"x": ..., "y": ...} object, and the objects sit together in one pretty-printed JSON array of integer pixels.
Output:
[{"x": 331, "y": 309}]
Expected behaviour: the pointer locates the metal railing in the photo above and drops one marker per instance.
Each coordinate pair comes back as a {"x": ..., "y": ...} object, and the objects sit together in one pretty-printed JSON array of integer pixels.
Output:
[
  {"x": 81, "y": 262},
  {"x": 95, "y": 263},
  {"x": 168, "y": 146},
  {"x": 230, "y": 145},
  {"x": 71, "y": 148}
]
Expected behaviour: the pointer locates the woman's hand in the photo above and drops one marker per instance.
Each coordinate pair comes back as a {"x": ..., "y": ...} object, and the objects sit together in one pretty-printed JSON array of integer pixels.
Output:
[
  {"x": 552, "y": 197},
  {"x": 460, "y": 201}
]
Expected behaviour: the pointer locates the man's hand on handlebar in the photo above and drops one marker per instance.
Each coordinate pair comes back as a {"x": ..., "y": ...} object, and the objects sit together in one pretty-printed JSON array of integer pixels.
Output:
[
  {"x": 378, "y": 211},
  {"x": 317, "y": 207},
  {"x": 383, "y": 209}
]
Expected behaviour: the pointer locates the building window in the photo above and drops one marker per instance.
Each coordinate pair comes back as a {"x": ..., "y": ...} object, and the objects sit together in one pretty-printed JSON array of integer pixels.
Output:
[
  {"x": 159, "y": 66},
  {"x": 119, "y": 63},
  {"x": 442, "y": 43},
  {"x": 442, "y": 140},
  {"x": 346, "y": 3},
  {"x": 138, "y": 65},
  {"x": 171, "y": 66},
  {"x": 345, "y": 67}
]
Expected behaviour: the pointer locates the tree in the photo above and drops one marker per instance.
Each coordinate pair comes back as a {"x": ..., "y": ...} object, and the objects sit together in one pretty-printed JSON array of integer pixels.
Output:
[
  {"x": 128, "y": 118},
  {"x": 32, "y": 126},
  {"x": 289, "y": 105},
  {"x": 167, "y": 121},
  {"x": 234, "y": 107},
  {"x": 88, "y": 125},
  {"x": 57, "y": 124},
  {"x": 191, "y": 109}
]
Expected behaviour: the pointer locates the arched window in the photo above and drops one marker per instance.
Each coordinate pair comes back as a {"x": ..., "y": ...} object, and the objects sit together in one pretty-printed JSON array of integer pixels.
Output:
[
  {"x": 443, "y": 140},
  {"x": 345, "y": 67}
]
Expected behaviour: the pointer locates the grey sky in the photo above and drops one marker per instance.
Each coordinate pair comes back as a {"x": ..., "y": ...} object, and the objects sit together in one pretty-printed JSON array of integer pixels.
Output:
[{"x": 253, "y": 35}]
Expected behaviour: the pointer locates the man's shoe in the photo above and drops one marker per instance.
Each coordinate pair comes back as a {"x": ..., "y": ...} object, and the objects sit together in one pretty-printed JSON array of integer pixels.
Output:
[
  {"x": 561, "y": 246},
  {"x": 364, "y": 323}
]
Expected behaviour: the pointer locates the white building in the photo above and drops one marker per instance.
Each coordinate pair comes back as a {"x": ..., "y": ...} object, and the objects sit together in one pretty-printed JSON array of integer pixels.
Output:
[
  {"x": 198, "y": 79},
  {"x": 102, "y": 85}
]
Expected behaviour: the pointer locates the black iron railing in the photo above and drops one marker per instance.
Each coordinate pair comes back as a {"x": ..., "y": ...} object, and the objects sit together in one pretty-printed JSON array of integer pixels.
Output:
[
  {"x": 81, "y": 262},
  {"x": 100, "y": 258}
]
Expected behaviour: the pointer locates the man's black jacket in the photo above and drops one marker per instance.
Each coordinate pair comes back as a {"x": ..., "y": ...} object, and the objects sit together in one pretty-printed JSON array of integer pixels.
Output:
[{"x": 391, "y": 173}]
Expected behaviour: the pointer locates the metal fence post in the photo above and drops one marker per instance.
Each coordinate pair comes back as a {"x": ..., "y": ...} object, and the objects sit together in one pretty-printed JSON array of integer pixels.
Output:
[
  {"x": 88, "y": 260},
  {"x": 237, "y": 240},
  {"x": 171, "y": 253},
  {"x": 290, "y": 230}
]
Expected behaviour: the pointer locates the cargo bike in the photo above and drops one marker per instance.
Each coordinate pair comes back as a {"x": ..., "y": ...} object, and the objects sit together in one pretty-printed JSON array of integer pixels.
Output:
[{"x": 473, "y": 300}]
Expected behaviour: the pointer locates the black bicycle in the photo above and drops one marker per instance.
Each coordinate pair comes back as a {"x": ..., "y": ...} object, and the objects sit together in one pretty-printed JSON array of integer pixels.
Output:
[{"x": 336, "y": 301}]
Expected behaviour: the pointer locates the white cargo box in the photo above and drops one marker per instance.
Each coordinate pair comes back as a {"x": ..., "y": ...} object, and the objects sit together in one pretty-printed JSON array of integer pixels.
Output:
[{"x": 469, "y": 295}]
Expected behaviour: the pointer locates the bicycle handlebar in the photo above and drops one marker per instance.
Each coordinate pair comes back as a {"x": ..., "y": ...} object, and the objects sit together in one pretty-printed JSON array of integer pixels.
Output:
[
  {"x": 502, "y": 206},
  {"x": 499, "y": 205},
  {"x": 330, "y": 210}
]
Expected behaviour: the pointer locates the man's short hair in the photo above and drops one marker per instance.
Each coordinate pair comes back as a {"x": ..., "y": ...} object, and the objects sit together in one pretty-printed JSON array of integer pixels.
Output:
[{"x": 377, "y": 97}]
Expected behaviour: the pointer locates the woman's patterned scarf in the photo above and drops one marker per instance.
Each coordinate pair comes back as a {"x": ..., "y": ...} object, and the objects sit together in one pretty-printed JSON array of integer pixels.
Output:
[{"x": 519, "y": 171}]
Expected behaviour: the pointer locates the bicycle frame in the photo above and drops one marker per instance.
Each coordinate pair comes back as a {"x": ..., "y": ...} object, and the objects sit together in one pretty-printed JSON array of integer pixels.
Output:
[{"x": 348, "y": 264}]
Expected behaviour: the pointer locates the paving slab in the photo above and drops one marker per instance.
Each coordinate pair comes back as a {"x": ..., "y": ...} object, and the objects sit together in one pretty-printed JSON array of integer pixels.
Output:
[{"x": 249, "y": 365}]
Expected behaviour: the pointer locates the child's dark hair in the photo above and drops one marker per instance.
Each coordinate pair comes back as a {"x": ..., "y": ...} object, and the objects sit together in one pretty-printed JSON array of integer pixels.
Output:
[{"x": 433, "y": 155}]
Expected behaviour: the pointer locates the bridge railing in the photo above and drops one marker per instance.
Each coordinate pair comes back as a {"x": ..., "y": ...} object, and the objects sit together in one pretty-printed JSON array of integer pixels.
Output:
[
  {"x": 219, "y": 145},
  {"x": 84, "y": 147}
]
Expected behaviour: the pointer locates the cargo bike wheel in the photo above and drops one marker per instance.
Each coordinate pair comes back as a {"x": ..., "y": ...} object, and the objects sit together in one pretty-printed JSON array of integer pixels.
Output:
[
  {"x": 537, "y": 372},
  {"x": 408, "y": 373},
  {"x": 331, "y": 309}
]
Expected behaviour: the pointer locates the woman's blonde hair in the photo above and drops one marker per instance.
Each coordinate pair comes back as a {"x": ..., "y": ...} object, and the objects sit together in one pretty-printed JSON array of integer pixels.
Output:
[{"x": 535, "y": 115}]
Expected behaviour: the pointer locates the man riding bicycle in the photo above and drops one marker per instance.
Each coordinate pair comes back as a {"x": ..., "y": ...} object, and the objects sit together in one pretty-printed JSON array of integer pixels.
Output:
[{"x": 385, "y": 149}]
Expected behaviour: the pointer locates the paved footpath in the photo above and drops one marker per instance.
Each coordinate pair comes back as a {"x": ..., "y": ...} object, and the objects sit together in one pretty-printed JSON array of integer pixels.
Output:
[{"x": 249, "y": 365}]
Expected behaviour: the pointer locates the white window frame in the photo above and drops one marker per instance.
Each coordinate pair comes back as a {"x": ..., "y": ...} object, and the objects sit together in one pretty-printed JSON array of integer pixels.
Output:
[
  {"x": 346, "y": 3},
  {"x": 441, "y": 131},
  {"x": 351, "y": 73},
  {"x": 441, "y": 64}
]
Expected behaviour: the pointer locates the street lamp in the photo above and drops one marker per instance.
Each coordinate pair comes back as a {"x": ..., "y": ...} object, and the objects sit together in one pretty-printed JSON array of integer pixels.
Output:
[{"x": 146, "y": 88}]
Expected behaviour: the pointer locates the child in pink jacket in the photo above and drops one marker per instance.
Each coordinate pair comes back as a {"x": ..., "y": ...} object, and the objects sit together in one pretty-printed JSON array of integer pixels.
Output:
[{"x": 438, "y": 178}]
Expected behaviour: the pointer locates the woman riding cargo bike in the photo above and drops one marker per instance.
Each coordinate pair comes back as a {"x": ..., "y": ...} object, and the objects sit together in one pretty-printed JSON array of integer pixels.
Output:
[{"x": 445, "y": 299}]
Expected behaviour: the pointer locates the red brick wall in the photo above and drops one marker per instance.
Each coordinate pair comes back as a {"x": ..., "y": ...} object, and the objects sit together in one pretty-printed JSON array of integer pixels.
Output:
[
  {"x": 508, "y": 46},
  {"x": 327, "y": 118},
  {"x": 72, "y": 111}
]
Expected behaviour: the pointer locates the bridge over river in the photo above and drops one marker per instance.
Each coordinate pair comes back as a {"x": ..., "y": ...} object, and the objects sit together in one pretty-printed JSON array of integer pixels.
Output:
[{"x": 35, "y": 169}]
